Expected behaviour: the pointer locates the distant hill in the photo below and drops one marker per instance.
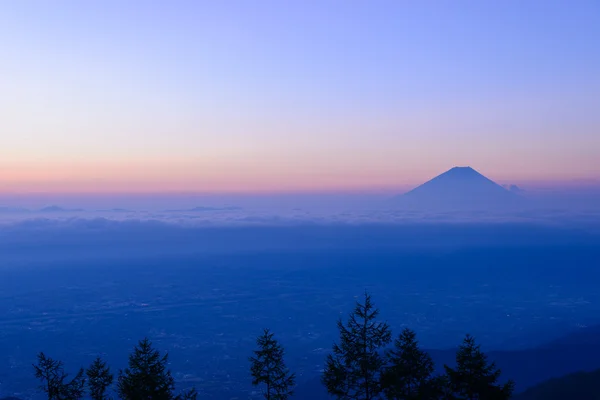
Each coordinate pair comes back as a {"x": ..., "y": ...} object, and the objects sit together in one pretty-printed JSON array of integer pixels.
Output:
[
  {"x": 579, "y": 385},
  {"x": 514, "y": 189},
  {"x": 57, "y": 209},
  {"x": 461, "y": 189}
]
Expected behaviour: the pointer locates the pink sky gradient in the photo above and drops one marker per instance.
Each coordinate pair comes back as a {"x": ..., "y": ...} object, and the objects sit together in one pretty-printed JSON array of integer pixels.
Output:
[
  {"x": 294, "y": 96},
  {"x": 259, "y": 177}
]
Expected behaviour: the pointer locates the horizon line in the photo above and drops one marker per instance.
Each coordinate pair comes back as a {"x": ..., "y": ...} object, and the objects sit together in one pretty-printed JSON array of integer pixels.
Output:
[{"x": 399, "y": 189}]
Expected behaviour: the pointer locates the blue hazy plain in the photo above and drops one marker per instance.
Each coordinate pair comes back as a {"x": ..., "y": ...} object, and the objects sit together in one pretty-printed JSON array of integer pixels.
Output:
[{"x": 76, "y": 288}]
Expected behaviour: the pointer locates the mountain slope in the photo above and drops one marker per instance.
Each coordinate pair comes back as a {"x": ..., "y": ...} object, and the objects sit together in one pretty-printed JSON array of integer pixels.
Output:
[
  {"x": 579, "y": 385},
  {"x": 578, "y": 351}
]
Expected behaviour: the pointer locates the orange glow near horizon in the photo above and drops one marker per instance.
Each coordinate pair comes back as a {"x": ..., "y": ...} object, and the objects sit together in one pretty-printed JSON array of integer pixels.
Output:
[{"x": 204, "y": 177}]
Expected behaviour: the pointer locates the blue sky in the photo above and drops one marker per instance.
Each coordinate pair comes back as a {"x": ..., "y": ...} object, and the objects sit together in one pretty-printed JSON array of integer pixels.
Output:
[{"x": 291, "y": 96}]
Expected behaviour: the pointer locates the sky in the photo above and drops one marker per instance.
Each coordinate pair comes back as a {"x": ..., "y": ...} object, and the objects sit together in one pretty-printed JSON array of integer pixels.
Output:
[{"x": 291, "y": 96}]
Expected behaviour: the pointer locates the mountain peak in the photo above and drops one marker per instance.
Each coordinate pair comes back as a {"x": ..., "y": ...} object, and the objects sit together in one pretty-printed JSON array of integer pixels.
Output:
[{"x": 462, "y": 171}]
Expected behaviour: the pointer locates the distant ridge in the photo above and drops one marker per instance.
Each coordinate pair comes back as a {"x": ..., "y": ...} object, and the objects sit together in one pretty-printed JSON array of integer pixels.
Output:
[
  {"x": 460, "y": 188},
  {"x": 13, "y": 210},
  {"x": 57, "y": 209},
  {"x": 203, "y": 209}
]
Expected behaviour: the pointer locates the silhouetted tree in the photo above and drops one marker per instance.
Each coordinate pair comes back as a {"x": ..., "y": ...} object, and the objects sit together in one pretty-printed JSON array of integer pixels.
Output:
[
  {"x": 409, "y": 373},
  {"x": 191, "y": 394},
  {"x": 147, "y": 376},
  {"x": 353, "y": 370},
  {"x": 475, "y": 378},
  {"x": 52, "y": 375},
  {"x": 267, "y": 368},
  {"x": 99, "y": 379}
]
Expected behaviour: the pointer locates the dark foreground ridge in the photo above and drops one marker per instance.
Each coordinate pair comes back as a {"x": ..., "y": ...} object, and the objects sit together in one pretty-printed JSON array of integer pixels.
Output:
[
  {"x": 557, "y": 366},
  {"x": 579, "y": 385}
]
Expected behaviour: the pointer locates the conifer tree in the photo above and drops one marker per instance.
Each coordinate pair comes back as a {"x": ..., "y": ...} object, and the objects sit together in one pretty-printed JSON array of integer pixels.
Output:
[
  {"x": 409, "y": 373},
  {"x": 190, "y": 394},
  {"x": 53, "y": 378},
  {"x": 353, "y": 369},
  {"x": 474, "y": 378},
  {"x": 99, "y": 379},
  {"x": 147, "y": 376},
  {"x": 267, "y": 368}
]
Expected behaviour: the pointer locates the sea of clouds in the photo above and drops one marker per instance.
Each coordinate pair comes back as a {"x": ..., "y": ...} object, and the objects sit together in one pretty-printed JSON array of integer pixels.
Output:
[{"x": 35, "y": 229}]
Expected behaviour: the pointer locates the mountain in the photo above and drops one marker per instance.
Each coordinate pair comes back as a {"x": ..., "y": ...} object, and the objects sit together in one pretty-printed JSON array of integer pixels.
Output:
[
  {"x": 579, "y": 385},
  {"x": 460, "y": 189}
]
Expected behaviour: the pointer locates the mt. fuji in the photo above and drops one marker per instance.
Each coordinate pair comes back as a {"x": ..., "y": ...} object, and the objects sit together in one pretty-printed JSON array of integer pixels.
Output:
[{"x": 460, "y": 188}]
